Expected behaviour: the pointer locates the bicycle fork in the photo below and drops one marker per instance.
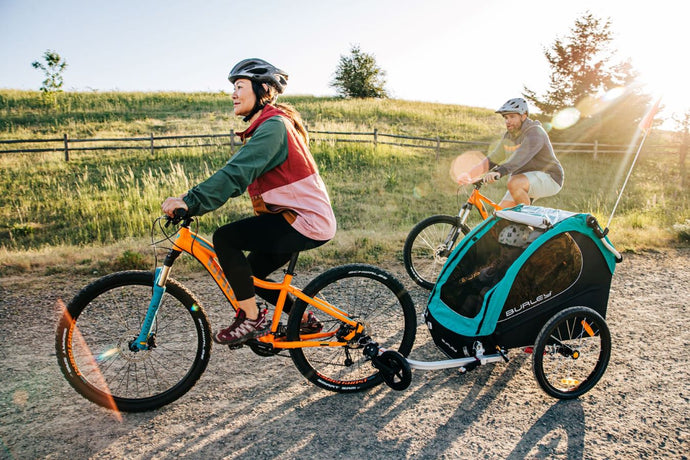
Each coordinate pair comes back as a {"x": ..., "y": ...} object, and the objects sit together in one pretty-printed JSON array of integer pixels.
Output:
[
  {"x": 449, "y": 243},
  {"x": 146, "y": 338},
  {"x": 464, "y": 214}
]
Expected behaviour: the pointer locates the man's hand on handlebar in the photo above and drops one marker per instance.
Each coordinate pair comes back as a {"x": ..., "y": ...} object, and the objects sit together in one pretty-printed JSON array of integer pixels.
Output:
[{"x": 491, "y": 176}]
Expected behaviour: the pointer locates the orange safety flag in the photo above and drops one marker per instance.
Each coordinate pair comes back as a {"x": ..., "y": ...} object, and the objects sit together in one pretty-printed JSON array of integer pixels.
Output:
[{"x": 646, "y": 122}]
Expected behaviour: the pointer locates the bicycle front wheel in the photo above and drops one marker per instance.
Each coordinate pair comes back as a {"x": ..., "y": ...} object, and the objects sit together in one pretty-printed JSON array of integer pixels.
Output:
[
  {"x": 428, "y": 246},
  {"x": 369, "y": 295},
  {"x": 571, "y": 352},
  {"x": 95, "y": 332}
]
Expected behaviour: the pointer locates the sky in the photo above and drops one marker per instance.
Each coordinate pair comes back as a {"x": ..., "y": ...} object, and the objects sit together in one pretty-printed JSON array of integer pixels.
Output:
[{"x": 475, "y": 53}]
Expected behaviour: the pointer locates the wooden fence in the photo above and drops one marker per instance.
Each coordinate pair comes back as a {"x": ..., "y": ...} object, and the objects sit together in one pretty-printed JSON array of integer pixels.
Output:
[{"x": 152, "y": 143}]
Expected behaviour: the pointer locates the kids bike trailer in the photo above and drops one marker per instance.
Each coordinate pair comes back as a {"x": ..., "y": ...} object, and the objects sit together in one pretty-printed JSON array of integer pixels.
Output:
[{"x": 528, "y": 277}]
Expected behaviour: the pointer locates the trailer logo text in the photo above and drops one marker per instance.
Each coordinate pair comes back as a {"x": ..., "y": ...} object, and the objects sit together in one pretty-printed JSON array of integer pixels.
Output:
[{"x": 527, "y": 305}]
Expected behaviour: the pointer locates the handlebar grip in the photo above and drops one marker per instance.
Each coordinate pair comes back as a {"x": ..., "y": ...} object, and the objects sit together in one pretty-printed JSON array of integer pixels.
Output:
[{"x": 180, "y": 214}]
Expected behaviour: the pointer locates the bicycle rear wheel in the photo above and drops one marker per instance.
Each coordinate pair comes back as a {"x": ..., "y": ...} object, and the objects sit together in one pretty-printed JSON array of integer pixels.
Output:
[
  {"x": 93, "y": 337},
  {"x": 368, "y": 295},
  {"x": 571, "y": 352},
  {"x": 428, "y": 245}
]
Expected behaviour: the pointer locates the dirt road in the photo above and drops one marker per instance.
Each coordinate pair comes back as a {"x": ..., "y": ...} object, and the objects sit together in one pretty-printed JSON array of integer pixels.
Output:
[{"x": 250, "y": 407}]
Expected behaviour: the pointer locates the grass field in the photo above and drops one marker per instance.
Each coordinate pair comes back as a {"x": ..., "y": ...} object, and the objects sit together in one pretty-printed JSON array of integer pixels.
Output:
[{"x": 95, "y": 211}]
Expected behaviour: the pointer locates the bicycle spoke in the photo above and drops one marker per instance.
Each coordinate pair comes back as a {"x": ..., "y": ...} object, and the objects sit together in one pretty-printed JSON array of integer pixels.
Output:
[
  {"x": 371, "y": 300},
  {"x": 108, "y": 315}
]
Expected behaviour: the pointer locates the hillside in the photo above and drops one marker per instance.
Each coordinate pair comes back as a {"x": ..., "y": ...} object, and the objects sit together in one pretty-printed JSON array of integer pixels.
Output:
[{"x": 104, "y": 202}]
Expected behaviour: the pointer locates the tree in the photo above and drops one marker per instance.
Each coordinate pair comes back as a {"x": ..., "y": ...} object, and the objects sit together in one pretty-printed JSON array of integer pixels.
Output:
[
  {"x": 53, "y": 68},
  {"x": 358, "y": 76},
  {"x": 583, "y": 69}
]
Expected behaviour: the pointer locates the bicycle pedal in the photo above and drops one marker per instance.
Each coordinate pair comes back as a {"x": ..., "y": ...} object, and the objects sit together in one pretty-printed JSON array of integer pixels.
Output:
[{"x": 235, "y": 346}]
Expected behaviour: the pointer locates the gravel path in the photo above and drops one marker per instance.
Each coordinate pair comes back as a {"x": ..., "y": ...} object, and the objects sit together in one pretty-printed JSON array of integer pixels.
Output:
[{"x": 250, "y": 407}]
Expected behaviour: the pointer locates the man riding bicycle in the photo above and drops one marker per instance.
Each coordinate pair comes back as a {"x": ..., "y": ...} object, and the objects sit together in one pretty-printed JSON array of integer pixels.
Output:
[{"x": 525, "y": 155}]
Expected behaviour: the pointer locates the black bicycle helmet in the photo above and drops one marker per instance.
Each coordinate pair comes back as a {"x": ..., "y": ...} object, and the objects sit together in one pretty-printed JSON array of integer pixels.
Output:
[{"x": 260, "y": 71}]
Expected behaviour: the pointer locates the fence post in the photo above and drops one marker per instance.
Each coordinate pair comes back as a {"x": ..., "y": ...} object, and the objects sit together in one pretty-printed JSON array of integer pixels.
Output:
[
  {"x": 376, "y": 137},
  {"x": 232, "y": 141},
  {"x": 66, "y": 148},
  {"x": 596, "y": 149},
  {"x": 438, "y": 148},
  {"x": 153, "y": 152}
]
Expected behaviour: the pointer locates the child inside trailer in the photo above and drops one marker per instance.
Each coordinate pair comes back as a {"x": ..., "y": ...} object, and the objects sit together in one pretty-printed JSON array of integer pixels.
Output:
[{"x": 466, "y": 287}]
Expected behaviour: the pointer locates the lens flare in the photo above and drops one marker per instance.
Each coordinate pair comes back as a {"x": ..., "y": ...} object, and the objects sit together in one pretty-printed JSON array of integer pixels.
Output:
[
  {"x": 80, "y": 347},
  {"x": 107, "y": 354},
  {"x": 418, "y": 192},
  {"x": 590, "y": 106},
  {"x": 565, "y": 118},
  {"x": 468, "y": 167},
  {"x": 613, "y": 94}
]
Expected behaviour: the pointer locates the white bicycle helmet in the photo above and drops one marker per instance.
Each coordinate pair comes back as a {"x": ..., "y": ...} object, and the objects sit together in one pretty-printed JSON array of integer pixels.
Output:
[
  {"x": 261, "y": 71},
  {"x": 515, "y": 235},
  {"x": 516, "y": 105}
]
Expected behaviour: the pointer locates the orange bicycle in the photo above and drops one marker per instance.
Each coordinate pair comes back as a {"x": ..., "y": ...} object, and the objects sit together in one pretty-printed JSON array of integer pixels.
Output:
[
  {"x": 137, "y": 340},
  {"x": 429, "y": 243}
]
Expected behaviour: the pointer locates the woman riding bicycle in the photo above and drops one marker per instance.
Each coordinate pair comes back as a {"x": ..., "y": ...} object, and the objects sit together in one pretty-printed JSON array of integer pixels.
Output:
[
  {"x": 525, "y": 155},
  {"x": 291, "y": 204}
]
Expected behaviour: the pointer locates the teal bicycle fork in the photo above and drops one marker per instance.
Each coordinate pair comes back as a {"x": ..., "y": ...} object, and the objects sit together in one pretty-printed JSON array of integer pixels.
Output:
[{"x": 146, "y": 338}]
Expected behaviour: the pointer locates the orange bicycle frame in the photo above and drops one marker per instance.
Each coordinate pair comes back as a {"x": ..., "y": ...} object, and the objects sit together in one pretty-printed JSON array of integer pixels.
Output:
[
  {"x": 476, "y": 200},
  {"x": 202, "y": 250}
]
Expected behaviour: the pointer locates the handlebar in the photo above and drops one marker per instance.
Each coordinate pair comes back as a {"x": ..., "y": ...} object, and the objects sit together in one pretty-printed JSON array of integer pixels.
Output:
[
  {"x": 479, "y": 182},
  {"x": 180, "y": 216}
]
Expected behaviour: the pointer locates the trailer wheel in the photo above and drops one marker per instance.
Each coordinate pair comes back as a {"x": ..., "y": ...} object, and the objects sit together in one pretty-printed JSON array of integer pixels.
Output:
[{"x": 571, "y": 352}]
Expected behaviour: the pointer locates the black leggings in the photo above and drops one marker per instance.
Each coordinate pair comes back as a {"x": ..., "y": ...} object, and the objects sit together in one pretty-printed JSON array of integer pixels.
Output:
[{"x": 270, "y": 240}]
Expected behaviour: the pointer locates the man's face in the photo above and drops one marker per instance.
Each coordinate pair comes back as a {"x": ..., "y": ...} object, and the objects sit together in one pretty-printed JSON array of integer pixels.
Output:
[{"x": 514, "y": 121}]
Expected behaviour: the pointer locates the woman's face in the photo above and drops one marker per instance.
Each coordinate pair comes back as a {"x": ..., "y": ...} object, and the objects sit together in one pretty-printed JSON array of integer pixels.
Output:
[{"x": 243, "y": 98}]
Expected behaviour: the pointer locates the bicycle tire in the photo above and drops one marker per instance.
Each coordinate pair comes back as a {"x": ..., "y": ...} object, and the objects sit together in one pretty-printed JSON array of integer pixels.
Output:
[
  {"x": 369, "y": 295},
  {"x": 425, "y": 249},
  {"x": 569, "y": 358},
  {"x": 93, "y": 334}
]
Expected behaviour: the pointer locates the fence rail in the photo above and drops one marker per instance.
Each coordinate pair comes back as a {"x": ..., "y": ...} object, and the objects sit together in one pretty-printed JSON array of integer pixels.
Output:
[{"x": 153, "y": 143}]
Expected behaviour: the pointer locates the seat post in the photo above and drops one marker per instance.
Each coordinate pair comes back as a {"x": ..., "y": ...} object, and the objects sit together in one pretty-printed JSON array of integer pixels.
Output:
[{"x": 293, "y": 263}]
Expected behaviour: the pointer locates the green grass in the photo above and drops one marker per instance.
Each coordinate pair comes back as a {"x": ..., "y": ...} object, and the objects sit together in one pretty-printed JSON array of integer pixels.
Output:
[{"x": 95, "y": 211}]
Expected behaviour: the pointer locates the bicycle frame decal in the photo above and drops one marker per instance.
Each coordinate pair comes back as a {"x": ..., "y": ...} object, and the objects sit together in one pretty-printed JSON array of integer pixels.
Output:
[{"x": 203, "y": 251}]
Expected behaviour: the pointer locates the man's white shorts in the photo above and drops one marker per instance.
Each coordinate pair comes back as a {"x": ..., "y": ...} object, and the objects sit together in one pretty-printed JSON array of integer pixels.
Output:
[{"x": 541, "y": 185}]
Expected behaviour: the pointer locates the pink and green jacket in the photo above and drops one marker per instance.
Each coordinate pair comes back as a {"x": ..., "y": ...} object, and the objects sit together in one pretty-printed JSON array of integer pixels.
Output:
[{"x": 279, "y": 173}]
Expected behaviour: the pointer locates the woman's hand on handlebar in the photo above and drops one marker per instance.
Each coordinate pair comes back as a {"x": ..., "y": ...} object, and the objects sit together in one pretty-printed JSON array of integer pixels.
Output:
[{"x": 171, "y": 204}]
